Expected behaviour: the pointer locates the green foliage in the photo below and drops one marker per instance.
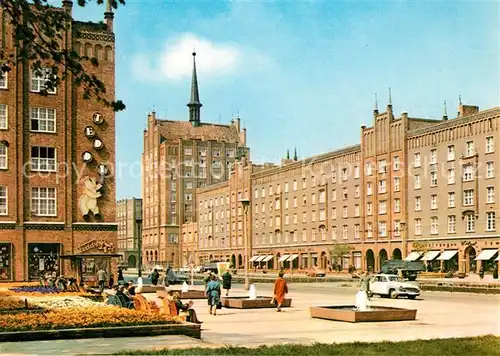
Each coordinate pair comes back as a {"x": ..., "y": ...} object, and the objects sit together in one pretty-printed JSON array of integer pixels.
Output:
[
  {"x": 338, "y": 250},
  {"x": 484, "y": 345},
  {"x": 38, "y": 34}
]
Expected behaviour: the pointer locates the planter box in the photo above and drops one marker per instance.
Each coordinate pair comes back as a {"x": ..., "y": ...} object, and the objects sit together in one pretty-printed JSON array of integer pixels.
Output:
[
  {"x": 187, "y": 329},
  {"x": 349, "y": 314},
  {"x": 245, "y": 303},
  {"x": 151, "y": 288},
  {"x": 192, "y": 294}
]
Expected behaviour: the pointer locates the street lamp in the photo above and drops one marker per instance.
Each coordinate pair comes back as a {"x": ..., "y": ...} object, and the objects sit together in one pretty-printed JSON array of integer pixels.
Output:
[{"x": 245, "y": 203}]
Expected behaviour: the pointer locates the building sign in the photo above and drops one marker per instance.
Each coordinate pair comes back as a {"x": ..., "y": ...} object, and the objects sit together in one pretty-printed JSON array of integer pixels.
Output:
[{"x": 98, "y": 245}]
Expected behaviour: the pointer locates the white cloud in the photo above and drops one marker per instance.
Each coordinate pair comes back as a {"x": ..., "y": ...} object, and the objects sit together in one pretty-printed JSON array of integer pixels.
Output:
[{"x": 175, "y": 62}]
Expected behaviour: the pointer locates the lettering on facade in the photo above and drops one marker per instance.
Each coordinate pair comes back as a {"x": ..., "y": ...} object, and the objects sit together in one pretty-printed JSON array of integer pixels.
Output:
[{"x": 98, "y": 245}]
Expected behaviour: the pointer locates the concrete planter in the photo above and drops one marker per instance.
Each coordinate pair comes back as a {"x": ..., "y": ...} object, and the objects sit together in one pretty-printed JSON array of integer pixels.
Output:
[
  {"x": 192, "y": 294},
  {"x": 349, "y": 314},
  {"x": 245, "y": 303},
  {"x": 187, "y": 329},
  {"x": 151, "y": 288}
]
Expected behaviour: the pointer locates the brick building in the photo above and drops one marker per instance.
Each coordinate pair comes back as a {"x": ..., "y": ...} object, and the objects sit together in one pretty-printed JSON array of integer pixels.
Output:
[
  {"x": 54, "y": 154},
  {"x": 380, "y": 197},
  {"x": 178, "y": 157},
  {"x": 129, "y": 221}
]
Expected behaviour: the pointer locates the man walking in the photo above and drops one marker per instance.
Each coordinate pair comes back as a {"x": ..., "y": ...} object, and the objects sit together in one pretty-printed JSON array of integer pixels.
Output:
[{"x": 101, "y": 279}]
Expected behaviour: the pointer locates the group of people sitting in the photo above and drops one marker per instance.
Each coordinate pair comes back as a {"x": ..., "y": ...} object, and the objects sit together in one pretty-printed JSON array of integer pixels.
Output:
[{"x": 62, "y": 283}]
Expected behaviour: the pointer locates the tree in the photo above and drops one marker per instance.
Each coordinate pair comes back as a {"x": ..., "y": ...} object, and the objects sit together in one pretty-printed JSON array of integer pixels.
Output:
[
  {"x": 338, "y": 250},
  {"x": 38, "y": 31}
]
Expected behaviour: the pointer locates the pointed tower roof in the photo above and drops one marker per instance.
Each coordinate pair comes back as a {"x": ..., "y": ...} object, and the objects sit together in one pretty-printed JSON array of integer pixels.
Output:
[
  {"x": 445, "y": 114},
  {"x": 295, "y": 154},
  {"x": 287, "y": 153},
  {"x": 195, "y": 96}
]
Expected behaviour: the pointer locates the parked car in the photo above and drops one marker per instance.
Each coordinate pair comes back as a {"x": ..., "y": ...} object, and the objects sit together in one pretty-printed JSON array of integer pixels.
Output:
[
  {"x": 410, "y": 269},
  {"x": 212, "y": 267},
  {"x": 178, "y": 278},
  {"x": 316, "y": 272},
  {"x": 389, "y": 285},
  {"x": 159, "y": 268},
  {"x": 185, "y": 269}
]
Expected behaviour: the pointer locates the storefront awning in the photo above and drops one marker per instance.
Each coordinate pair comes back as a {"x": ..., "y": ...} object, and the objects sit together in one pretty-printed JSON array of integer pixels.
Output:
[
  {"x": 314, "y": 255},
  {"x": 260, "y": 258},
  {"x": 283, "y": 258},
  {"x": 413, "y": 256},
  {"x": 486, "y": 255},
  {"x": 431, "y": 255},
  {"x": 292, "y": 257},
  {"x": 447, "y": 255},
  {"x": 268, "y": 258},
  {"x": 100, "y": 255},
  {"x": 253, "y": 258},
  {"x": 498, "y": 258}
]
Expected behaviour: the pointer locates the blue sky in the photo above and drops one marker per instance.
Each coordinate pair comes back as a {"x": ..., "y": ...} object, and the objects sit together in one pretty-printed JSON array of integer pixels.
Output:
[{"x": 299, "y": 73}]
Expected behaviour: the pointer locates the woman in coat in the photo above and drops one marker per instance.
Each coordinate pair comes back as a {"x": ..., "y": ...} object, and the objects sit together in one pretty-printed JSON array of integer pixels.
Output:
[
  {"x": 213, "y": 294},
  {"x": 226, "y": 282},
  {"x": 280, "y": 290}
]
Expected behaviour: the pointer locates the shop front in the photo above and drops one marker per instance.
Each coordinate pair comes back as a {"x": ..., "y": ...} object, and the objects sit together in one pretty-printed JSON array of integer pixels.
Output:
[
  {"x": 43, "y": 260},
  {"x": 5, "y": 262}
]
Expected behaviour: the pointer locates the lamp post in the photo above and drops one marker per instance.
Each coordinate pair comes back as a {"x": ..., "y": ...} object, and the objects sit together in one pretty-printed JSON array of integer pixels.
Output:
[
  {"x": 245, "y": 203},
  {"x": 139, "y": 247}
]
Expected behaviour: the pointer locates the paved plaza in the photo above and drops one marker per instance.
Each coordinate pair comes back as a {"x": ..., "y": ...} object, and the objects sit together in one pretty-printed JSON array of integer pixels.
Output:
[{"x": 440, "y": 315}]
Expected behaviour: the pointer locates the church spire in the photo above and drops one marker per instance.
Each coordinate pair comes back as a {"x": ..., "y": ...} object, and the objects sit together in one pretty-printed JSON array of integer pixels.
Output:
[
  {"x": 445, "y": 114},
  {"x": 194, "y": 104},
  {"x": 287, "y": 153},
  {"x": 295, "y": 154}
]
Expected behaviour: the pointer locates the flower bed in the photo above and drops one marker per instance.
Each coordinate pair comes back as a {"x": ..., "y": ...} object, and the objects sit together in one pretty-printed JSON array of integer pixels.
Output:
[
  {"x": 35, "y": 289},
  {"x": 64, "y": 302},
  {"x": 10, "y": 303},
  {"x": 82, "y": 318}
]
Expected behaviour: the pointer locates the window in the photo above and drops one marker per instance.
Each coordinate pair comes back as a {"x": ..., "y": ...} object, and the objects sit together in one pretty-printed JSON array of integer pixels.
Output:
[
  {"x": 490, "y": 170},
  {"x": 304, "y": 183},
  {"x": 304, "y": 217},
  {"x": 468, "y": 173},
  {"x": 369, "y": 208},
  {"x": 368, "y": 169},
  {"x": 3, "y": 156},
  {"x": 345, "y": 232},
  {"x": 490, "y": 221},
  {"x": 43, "y": 120},
  {"x": 334, "y": 176},
  {"x": 452, "y": 224},
  {"x": 216, "y": 153},
  {"x": 263, "y": 207},
  {"x": 230, "y": 153},
  {"x": 304, "y": 200},
  {"x": 356, "y": 231},
  {"x": 434, "y": 204},
  {"x": 344, "y": 193},
  {"x": 434, "y": 225},
  {"x": 334, "y": 213},
  {"x": 295, "y": 219},
  {"x": 256, "y": 193},
  {"x": 322, "y": 215},
  {"x": 451, "y": 176},
  {"x": 334, "y": 195},
  {"x": 334, "y": 233},
  {"x": 356, "y": 191},
  {"x": 3, "y": 200},
  {"x": 270, "y": 190},
  {"x": 416, "y": 181},
  {"x": 294, "y": 202},
  {"x": 434, "y": 179},
  {"x": 490, "y": 194},
  {"x": 382, "y": 186},
  {"x": 189, "y": 196},
  {"x": 39, "y": 79},
  {"x": 43, "y": 201},
  {"x": 470, "y": 148},
  {"x": 451, "y": 199},
  {"x": 356, "y": 172},
  {"x": 490, "y": 145},
  {"x": 313, "y": 181},
  {"x": 397, "y": 228},
  {"x": 433, "y": 156},
  {"x": 396, "y": 163},
  {"x": 397, "y": 205},
  {"x": 416, "y": 160},
  {"x": 344, "y": 174},
  {"x": 294, "y": 185},
  {"x": 397, "y": 184},
  {"x": 313, "y": 235},
  {"x": 418, "y": 226},
  {"x": 418, "y": 204},
  {"x": 277, "y": 204},
  {"x": 451, "y": 153},
  {"x": 313, "y": 198},
  {"x": 356, "y": 210},
  {"x": 382, "y": 166},
  {"x": 382, "y": 228},
  {"x": 369, "y": 230},
  {"x": 369, "y": 189},
  {"x": 468, "y": 197},
  {"x": 43, "y": 159},
  {"x": 3, "y": 117},
  {"x": 286, "y": 203},
  {"x": 470, "y": 223},
  {"x": 322, "y": 196},
  {"x": 3, "y": 80},
  {"x": 287, "y": 219},
  {"x": 382, "y": 207},
  {"x": 263, "y": 193},
  {"x": 286, "y": 187},
  {"x": 344, "y": 212}
]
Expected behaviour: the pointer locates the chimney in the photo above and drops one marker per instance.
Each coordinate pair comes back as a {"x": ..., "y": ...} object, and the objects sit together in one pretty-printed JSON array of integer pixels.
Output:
[
  {"x": 238, "y": 124},
  {"x": 466, "y": 110},
  {"x": 108, "y": 16}
]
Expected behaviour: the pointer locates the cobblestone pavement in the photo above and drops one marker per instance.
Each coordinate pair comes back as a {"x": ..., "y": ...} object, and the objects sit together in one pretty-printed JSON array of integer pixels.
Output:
[{"x": 440, "y": 315}]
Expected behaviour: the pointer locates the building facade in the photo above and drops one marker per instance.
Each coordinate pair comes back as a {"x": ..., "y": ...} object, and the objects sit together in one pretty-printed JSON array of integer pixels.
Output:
[
  {"x": 129, "y": 220},
  {"x": 57, "y": 153},
  {"x": 179, "y": 157},
  {"x": 413, "y": 189}
]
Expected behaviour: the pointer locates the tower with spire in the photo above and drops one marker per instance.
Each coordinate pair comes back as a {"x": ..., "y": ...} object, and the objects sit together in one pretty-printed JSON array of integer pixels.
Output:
[{"x": 194, "y": 104}]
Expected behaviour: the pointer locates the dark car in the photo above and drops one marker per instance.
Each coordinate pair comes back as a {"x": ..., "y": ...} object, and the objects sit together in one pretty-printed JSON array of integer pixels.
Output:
[
  {"x": 212, "y": 267},
  {"x": 177, "y": 278},
  {"x": 123, "y": 265}
]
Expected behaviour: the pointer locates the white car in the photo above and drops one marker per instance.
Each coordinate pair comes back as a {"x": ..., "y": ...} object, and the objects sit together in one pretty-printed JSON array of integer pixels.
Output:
[{"x": 393, "y": 286}]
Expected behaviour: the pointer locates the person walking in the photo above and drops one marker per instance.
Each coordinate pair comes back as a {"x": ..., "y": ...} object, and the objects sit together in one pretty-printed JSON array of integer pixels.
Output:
[
  {"x": 280, "y": 290},
  {"x": 364, "y": 283},
  {"x": 154, "y": 277},
  {"x": 111, "y": 281},
  {"x": 121, "y": 280},
  {"x": 226, "y": 281},
  {"x": 101, "y": 279},
  {"x": 213, "y": 294}
]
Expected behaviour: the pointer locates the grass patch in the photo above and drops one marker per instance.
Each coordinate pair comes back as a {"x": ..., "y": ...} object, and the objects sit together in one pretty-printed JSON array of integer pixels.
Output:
[{"x": 484, "y": 345}]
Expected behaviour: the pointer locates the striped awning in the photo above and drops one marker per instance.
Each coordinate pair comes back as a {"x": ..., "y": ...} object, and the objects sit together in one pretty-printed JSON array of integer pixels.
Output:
[
  {"x": 447, "y": 255},
  {"x": 283, "y": 258},
  {"x": 292, "y": 257},
  {"x": 268, "y": 258},
  {"x": 260, "y": 258},
  {"x": 413, "y": 256},
  {"x": 253, "y": 258},
  {"x": 486, "y": 255},
  {"x": 431, "y": 255}
]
